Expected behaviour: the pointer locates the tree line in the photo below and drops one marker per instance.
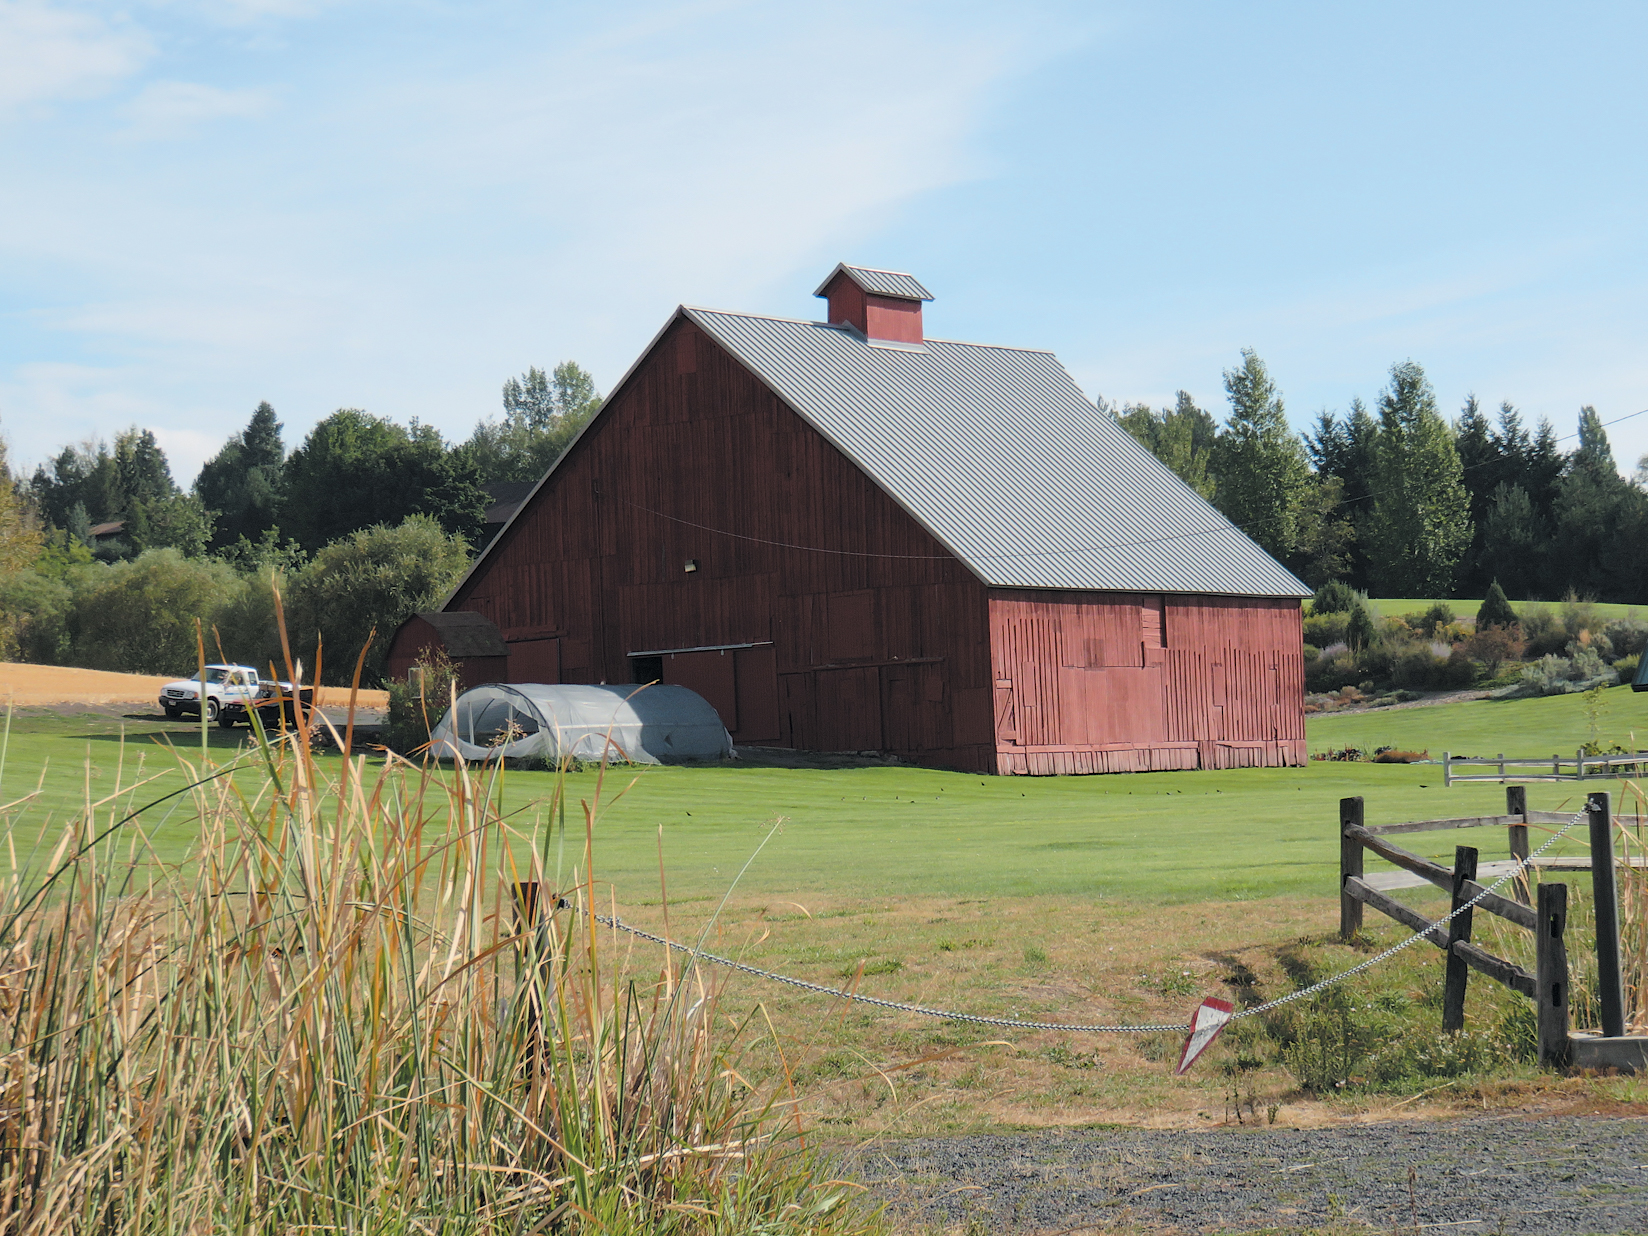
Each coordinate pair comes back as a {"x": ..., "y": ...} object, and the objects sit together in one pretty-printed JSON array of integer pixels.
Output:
[
  {"x": 1398, "y": 501},
  {"x": 106, "y": 562}
]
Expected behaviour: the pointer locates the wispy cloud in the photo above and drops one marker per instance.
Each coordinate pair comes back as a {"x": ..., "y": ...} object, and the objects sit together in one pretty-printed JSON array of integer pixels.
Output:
[
  {"x": 178, "y": 109},
  {"x": 49, "y": 53}
]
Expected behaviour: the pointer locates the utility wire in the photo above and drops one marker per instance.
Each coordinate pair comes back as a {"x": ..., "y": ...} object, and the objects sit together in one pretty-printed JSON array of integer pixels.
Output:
[{"x": 1040, "y": 553}]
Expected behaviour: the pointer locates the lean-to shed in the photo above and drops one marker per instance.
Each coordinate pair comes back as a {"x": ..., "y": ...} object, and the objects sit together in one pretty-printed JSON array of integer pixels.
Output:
[{"x": 849, "y": 535}]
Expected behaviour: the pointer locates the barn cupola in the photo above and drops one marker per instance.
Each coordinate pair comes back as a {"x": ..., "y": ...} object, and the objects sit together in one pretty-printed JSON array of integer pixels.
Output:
[{"x": 882, "y": 305}]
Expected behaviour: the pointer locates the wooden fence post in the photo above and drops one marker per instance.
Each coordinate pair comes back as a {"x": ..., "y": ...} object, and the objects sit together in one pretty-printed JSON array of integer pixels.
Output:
[
  {"x": 1551, "y": 974},
  {"x": 1516, "y": 803},
  {"x": 1610, "y": 990},
  {"x": 1447, "y": 769},
  {"x": 1457, "y": 972},
  {"x": 1350, "y": 864}
]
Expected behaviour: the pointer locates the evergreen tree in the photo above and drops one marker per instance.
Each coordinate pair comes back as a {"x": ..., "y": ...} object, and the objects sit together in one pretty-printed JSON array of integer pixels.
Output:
[
  {"x": 1344, "y": 450},
  {"x": 242, "y": 481},
  {"x": 1182, "y": 437},
  {"x": 1601, "y": 519},
  {"x": 1420, "y": 526},
  {"x": 1496, "y": 609},
  {"x": 1262, "y": 474},
  {"x": 1515, "y": 538}
]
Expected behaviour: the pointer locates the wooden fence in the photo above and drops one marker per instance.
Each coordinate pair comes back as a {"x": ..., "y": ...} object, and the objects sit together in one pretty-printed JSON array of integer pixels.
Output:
[
  {"x": 1546, "y": 917},
  {"x": 1581, "y": 768}
]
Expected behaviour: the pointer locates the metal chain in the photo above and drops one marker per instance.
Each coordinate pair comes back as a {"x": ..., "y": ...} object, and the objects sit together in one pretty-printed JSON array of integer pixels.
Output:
[
  {"x": 1015, "y": 1023},
  {"x": 1522, "y": 865}
]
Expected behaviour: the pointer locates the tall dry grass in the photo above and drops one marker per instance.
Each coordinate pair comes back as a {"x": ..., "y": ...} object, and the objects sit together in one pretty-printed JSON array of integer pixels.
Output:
[{"x": 352, "y": 1011}]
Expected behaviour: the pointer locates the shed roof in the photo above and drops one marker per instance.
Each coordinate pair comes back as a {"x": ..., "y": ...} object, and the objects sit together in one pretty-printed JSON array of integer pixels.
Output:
[
  {"x": 466, "y": 634},
  {"x": 880, "y": 282},
  {"x": 997, "y": 452}
]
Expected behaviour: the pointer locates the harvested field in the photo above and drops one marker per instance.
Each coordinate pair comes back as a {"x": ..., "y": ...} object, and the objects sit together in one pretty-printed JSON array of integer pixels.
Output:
[{"x": 27, "y": 685}]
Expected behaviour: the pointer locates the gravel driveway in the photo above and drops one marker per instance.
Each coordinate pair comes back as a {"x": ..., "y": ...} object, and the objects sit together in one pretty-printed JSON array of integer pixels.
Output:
[{"x": 1568, "y": 1174}]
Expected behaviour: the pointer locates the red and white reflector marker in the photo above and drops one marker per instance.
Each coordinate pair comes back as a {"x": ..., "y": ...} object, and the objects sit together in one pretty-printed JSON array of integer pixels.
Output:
[{"x": 1210, "y": 1017}]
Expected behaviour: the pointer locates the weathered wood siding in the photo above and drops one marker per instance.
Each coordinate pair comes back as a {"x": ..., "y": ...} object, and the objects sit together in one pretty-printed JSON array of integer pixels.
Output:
[
  {"x": 1122, "y": 682},
  {"x": 881, "y": 643}
]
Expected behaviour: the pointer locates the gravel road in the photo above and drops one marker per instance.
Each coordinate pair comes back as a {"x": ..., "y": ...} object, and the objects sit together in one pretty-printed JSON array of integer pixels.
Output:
[{"x": 1569, "y": 1174}]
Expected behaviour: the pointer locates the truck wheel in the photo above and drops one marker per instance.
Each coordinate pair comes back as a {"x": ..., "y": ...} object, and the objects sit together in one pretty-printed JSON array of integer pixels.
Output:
[{"x": 211, "y": 710}]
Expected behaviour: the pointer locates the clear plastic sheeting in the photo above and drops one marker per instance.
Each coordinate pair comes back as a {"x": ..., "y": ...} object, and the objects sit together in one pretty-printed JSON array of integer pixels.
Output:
[{"x": 635, "y": 724}]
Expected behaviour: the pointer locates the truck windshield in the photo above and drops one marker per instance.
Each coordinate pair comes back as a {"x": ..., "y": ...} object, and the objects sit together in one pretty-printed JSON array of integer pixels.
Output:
[{"x": 215, "y": 673}]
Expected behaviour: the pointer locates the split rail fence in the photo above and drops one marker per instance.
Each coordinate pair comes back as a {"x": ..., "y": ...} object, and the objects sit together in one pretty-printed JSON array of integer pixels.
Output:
[
  {"x": 1542, "y": 910},
  {"x": 1581, "y": 768}
]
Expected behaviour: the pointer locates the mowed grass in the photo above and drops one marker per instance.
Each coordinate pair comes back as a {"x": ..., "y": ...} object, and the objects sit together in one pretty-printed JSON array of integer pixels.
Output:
[
  {"x": 1556, "y": 725},
  {"x": 1396, "y": 607},
  {"x": 1069, "y": 899},
  {"x": 1155, "y": 838}
]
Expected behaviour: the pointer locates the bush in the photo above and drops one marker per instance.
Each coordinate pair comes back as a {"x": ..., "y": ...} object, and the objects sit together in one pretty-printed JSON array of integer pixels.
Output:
[
  {"x": 140, "y": 616},
  {"x": 1416, "y": 668},
  {"x": 1359, "y": 631},
  {"x": 1324, "y": 630},
  {"x": 1437, "y": 618},
  {"x": 34, "y": 617},
  {"x": 1336, "y": 597},
  {"x": 1627, "y": 667},
  {"x": 1554, "y": 675},
  {"x": 1496, "y": 609},
  {"x": 375, "y": 578},
  {"x": 1332, "y": 672},
  {"x": 1492, "y": 646},
  {"x": 419, "y": 700},
  {"x": 1627, "y": 637},
  {"x": 1541, "y": 632}
]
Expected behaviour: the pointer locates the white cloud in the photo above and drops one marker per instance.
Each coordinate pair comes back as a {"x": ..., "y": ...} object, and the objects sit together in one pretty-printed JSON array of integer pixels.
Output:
[
  {"x": 49, "y": 54},
  {"x": 177, "y": 109}
]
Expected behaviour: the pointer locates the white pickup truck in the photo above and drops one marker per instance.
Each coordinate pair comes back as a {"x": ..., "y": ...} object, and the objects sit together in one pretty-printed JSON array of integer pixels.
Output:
[{"x": 225, "y": 684}]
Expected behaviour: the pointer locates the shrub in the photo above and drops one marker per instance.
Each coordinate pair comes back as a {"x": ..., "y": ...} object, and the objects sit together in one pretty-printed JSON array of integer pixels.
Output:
[
  {"x": 419, "y": 700},
  {"x": 1627, "y": 667},
  {"x": 1496, "y": 609},
  {"x": 1325, "y": 629},
  {"x": 1541, "y": 632},
  {"x": 139, "y": 616},
  {"x": 1359, "y": 631},
  {"x": 1332, "y": 672},
  {"x": 34, "y": 614},
  {"x": 1492, "y": 646},
  {"x": 1458, "y": 670},
  {"x": 1554, "y": 675},
  {"x": 1437, "y": 618},
  {"x": 1336, "y": 597},
  {"x": 1627, "y": 636},
  {"x": 1416, "y": 667}
]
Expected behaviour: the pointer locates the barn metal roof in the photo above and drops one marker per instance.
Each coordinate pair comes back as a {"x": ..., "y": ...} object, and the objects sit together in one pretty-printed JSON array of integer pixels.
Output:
[
  {"x": 881, "y": 282},
  {"x": 997, "y": 452}
]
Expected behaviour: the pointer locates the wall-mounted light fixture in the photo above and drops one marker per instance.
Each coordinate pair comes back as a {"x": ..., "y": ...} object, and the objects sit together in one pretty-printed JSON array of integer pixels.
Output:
[{"x": 690, "y": 566}]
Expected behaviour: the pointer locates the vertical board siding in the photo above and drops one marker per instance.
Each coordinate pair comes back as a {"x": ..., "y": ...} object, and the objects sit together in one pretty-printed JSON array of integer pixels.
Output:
[
  {"x": 1144, "y": 682},
  {"x": 881, "y": 643}
]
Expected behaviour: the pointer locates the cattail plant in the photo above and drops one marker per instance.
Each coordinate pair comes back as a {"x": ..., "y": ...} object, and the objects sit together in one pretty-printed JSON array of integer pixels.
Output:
[{"x": 362, "y": 1005}]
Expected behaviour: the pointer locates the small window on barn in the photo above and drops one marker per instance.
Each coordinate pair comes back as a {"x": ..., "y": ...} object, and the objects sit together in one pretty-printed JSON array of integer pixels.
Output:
[
  {"x": 1153, "y": 626},
  {"x": 646, "y": 669}
]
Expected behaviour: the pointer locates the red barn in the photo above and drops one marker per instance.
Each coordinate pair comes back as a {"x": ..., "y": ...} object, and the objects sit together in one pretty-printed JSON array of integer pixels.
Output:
[{"x": 849, "y": 536}]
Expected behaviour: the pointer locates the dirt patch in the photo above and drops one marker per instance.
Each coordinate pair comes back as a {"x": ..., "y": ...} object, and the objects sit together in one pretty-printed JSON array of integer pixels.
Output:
[{"x": 60, "y": 684}]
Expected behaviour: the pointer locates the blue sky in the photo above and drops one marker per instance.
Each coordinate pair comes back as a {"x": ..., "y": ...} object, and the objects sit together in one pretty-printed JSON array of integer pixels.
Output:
[{"x": 398, "y": 206}]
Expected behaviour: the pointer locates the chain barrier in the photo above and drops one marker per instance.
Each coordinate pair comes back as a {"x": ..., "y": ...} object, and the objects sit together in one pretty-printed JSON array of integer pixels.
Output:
[{"x": 1015, "y": 1023}]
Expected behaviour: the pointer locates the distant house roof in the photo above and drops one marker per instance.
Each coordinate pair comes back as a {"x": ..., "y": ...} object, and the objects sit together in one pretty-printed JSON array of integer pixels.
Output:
[
  {"x": 880, "y": 282},
  {"x": 997, "y": 452},
  {"x": 505, "y": 497},
  {"x": 113, "y": 528},
  {"x": 465, "y": 634}
]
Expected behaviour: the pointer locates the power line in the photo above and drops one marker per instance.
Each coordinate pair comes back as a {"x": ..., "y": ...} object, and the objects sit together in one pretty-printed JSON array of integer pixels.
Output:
[{"x": 1229, "y": 526}]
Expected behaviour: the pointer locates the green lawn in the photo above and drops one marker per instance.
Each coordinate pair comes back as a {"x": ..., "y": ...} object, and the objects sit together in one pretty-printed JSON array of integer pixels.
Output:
[
  {"x": 1395, "y": 607},
  {"x": 889, "y": 831},
  {"x": 1530, "y": 727}
]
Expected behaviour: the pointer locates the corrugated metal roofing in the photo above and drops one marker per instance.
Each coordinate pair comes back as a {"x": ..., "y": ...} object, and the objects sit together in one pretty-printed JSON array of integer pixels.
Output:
[
  {"x": 881, "y": 282},
  {"x": 998, "y": 453}
]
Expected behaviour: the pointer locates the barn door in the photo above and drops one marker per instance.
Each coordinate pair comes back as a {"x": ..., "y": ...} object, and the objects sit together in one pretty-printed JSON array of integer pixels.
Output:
[
  {"x": 1033, "y": 655},
  {"x": 711, "y": 675},
  {"x": 849, "y": 709}
]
